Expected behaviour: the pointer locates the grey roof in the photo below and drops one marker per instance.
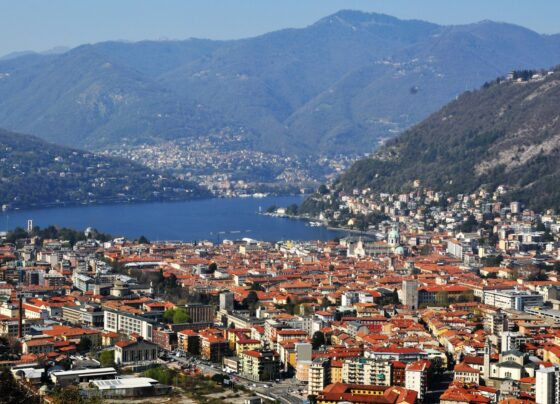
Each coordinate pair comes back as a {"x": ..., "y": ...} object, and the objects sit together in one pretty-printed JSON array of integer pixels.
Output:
[
  {"x": 510, "y": 364},
  {"x": 513, "y": 352}
]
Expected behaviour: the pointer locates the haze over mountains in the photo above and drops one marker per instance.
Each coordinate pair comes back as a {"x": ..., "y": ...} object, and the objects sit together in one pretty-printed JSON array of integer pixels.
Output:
[
  {"x": 506, "y": 134},
  {"x": 339, "y": 85}
]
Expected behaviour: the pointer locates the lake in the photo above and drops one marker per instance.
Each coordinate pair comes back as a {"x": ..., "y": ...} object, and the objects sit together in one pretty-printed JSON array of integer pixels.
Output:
[{"x": 210, "y": 219}]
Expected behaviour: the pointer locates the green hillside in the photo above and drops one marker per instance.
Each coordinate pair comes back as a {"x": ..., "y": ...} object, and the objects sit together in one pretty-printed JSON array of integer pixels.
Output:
[
  {"x": 36, "y": 173},
  {"x": 507, "y": 133}
]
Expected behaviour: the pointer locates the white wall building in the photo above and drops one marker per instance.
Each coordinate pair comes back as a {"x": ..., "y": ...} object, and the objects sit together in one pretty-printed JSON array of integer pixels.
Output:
[
  {"x": 127, "y": 323},
  {"x": 547, "y": 386},
  {"x": 512, "y": 299},
  {"x": 410, "y": 294}
]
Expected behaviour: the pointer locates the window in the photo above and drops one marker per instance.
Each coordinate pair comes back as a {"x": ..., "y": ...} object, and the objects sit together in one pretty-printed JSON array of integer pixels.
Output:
[{"x": 508, "y": 375}]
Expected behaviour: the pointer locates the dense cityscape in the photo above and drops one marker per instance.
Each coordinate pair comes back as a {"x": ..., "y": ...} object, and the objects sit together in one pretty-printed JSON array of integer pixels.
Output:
[
  {"x": 279, "y": 202},
  {"x": 449, "y": 299},
  {"x": 227, "y": 166}
]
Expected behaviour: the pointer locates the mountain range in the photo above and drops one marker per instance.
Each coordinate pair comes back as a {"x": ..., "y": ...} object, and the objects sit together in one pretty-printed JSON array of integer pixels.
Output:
[
  {"x": 505, "y": 134},
  {"x": 36, "y": 173},
  {"x": 342, "y": 85}
]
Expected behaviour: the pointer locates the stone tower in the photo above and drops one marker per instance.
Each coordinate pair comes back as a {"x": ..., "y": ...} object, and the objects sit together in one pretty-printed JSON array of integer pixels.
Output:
[{"x": 487, "y": 351}]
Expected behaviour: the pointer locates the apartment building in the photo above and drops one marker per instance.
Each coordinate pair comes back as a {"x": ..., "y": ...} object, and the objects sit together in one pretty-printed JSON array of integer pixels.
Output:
[{"x": 128, "y": 324}]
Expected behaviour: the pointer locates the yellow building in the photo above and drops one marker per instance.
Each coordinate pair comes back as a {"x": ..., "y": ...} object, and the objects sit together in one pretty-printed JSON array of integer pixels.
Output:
[
  {"x": 354, "y": 393},
  {"x": 551, "y": 354},
  {"x": 246, "y": 344},
  {"x": 336, "y": 371}
]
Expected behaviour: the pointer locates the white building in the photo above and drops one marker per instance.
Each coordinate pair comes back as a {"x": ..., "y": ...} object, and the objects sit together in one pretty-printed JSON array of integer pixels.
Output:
[
  {"x": 139, "y": 352},
  {"x": 366, "y": 371},
  {"x": 547, "y": 385},
  {"x": 513, "y": 340},
  {"x": 319, "y": 376},
  {"x": 410, "y": 294},
  {"x": 349, "y": 298},
  {"x": 226, "y": 301},
  {"x": 116, "y": 321},
  {"x": 512, "y": 299},
  {"x": 416, "y": 377}
]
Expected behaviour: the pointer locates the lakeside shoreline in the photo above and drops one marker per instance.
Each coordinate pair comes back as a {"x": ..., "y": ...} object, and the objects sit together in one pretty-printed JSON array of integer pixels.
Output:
[
  {"x": 325, "y": 226},
  {"x": 74, "y": 204},
  {"x": 212, "y": 219}
]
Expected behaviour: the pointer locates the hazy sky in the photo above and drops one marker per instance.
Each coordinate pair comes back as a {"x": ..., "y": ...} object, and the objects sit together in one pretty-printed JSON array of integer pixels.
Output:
[{"x": 42, "y": 24}]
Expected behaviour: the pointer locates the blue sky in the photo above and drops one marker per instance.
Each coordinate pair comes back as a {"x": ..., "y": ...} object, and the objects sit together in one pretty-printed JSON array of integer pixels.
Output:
[{"x": 43, "y": 24}]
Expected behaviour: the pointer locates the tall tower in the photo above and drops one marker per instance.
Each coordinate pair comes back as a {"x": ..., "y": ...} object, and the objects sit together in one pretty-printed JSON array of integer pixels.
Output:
[
  {"x": 487, "y": 350},
  {"x": 410, "y": 294},
  {"x": 20, "y": 314},
  {"x": 29, "y": 226},
  {"x": 547, "y": 385},
  {"x": 394, "y": 238},
  {"x": 226, "y": 301}
]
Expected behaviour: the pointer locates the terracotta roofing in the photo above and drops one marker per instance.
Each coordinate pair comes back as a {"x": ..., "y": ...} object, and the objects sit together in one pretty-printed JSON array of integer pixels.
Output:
[{"x": 464, "y": 368}]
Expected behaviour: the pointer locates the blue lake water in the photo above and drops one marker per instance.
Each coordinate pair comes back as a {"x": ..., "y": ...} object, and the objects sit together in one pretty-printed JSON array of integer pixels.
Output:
[{"x": 211, "y": 219}]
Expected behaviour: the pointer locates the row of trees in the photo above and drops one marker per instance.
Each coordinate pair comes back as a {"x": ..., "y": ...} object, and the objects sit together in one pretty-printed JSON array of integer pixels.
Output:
[
  {"x": 196, "y": 387},
  {"x": 54, "y": 233},
  {"x": 177, "y": 315},
  {"x": 12, "y": 392}
]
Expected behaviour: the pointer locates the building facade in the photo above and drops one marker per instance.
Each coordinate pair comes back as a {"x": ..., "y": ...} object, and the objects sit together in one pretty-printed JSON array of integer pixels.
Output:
[
  {"x": 259, "y": 365},
  {"x": 140, "y": 352},
  {"x": 128, "y": 324}
]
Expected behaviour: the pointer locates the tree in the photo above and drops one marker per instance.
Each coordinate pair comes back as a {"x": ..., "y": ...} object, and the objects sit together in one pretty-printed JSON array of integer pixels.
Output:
[
  {"x": 107, "y": 358},
  {"x": 492, "y": 260},
  {"x": 181, "y": 316},
  {"x": 538, "y": 276},
  {"x": 323, "y": 190},
  {"x": 84, "y": 344},
  {"x": 213, "y": 267},
  {"x": 168, "y": 315},
  {"x": 72, "y": 395},
  {"x": 17, "y": 234},
  {"x": 143, "y": 240},
  {"x": 218, "y": 378},
  {"x": 292, "y": 209},
  {"x": 162, "y": 374},
  {"x": 251, "y": 300},
  {"x": 170, "y": 283},
  {"x": 257, "y": 286},
  {"x": 395, "y": 297},
  {"x": 539, "y": 225},
  {"x": 469, "y": 225},
  {"x": 11, "y": 392},
  {"x": 437, "y": 364},
  {"x": 176, "y": 316},
  {"x": 318, "y": 340}
]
